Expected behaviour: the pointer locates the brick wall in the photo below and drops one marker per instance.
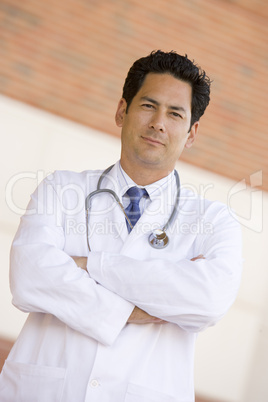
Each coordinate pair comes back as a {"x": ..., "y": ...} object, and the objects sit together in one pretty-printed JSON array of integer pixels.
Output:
[{"x": 71, "y": 58}]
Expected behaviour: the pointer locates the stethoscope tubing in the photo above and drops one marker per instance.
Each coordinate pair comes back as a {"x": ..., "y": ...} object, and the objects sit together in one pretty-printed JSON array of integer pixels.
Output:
[{"x": 113, "y": 193}]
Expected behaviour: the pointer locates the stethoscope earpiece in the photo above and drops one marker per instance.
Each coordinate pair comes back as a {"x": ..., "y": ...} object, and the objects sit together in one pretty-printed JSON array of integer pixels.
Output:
[{"x": 158, "y": 239}]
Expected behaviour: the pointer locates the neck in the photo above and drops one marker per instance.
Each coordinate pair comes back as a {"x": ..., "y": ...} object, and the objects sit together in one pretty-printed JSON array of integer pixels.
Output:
[{"x": 144, "y": 176}]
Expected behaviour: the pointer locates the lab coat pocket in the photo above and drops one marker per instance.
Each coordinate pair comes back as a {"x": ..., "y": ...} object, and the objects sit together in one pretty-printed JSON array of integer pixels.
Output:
[
  {"x": 27, "y": 382},
  {"x": 137, "y": 393}
]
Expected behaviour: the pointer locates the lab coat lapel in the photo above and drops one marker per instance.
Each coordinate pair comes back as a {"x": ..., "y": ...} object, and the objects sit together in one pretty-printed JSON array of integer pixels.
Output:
[{"x": 107, "y": 224}]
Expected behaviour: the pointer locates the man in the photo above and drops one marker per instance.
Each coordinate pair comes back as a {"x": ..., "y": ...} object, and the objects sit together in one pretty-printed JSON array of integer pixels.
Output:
[{"x": 118, "y": 323}]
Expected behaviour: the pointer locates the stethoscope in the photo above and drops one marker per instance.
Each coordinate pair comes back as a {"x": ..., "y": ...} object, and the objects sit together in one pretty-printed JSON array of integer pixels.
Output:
[{"x": 158, "y": 238}]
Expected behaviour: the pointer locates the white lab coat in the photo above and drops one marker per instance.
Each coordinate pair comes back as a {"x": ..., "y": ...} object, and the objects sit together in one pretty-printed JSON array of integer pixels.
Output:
[{"x": 75, "y": 344}]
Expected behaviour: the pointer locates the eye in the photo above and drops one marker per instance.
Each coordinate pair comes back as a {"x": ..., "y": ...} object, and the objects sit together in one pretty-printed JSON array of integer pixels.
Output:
[
  {"x": 147, "y": 105},
  {"x": 175, "y": 114}
]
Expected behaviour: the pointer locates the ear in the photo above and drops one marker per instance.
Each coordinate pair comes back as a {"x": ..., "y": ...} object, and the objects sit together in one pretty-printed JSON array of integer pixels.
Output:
[
  {"x": 192, "y": 135},
  {"x": 120, "y": 113}
]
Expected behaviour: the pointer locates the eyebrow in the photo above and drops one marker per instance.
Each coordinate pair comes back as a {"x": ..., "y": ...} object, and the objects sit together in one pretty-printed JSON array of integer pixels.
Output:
[{"x": 154, "y": 102}]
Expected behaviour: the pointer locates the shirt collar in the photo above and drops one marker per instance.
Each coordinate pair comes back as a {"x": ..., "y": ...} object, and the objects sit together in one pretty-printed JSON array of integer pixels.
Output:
[{"x": 154, "y": 189}]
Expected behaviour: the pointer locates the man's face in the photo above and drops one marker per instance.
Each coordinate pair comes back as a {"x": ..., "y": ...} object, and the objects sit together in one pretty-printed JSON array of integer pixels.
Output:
[{"x": 156, "y": 127}]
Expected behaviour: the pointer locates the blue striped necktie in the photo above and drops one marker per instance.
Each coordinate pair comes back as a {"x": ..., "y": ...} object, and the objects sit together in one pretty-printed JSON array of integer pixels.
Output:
[{"x": 133, "y": 210}]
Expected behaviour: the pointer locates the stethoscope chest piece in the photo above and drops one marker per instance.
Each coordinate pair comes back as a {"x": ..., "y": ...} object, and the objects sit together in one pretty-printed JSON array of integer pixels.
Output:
[{"x": 158, "y": 239}]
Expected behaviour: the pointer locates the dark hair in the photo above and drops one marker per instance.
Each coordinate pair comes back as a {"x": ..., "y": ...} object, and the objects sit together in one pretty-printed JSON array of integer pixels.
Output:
[{"x": 178, "y": 66}]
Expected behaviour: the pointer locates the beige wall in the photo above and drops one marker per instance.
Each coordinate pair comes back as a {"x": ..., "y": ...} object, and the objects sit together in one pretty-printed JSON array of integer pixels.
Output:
[{"x": 231, "y": 357}]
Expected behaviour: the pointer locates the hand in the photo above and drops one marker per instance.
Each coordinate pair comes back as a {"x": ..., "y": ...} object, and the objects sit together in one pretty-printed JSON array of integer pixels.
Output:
[
  {"x": 81, "y": 262},
  {"x": 139, "y": 316},
  {"x": 200, "y": 256}
]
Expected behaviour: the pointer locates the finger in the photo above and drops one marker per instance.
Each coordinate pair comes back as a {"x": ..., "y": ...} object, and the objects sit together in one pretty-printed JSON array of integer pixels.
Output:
[{"x": 200, "y": 256}]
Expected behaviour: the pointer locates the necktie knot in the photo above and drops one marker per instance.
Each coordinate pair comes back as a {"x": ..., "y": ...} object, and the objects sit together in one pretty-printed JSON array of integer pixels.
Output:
[
  {"x": 135, "y": 194},
  {"x": 133, "y": 210}
]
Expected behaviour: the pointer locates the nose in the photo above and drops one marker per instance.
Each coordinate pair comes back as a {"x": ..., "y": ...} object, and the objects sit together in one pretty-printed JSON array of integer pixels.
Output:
[{"x": 157, "y": 122}]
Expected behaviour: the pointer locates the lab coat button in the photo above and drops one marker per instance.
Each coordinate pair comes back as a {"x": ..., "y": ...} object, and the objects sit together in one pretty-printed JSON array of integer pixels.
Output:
[{"x": 94, "y": 383}]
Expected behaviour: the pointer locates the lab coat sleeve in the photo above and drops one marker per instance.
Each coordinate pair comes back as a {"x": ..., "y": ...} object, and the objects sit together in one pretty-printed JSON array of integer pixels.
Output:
[
  {"x": 43, "y": 278},
  {"x": 191, "y": 294}
]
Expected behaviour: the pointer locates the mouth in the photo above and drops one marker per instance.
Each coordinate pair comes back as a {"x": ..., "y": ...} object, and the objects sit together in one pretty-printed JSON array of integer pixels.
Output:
[{"x": 152, "y": 141}]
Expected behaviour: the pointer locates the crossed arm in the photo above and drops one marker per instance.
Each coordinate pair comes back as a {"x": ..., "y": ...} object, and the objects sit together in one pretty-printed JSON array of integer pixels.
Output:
[
  {"x": 44, "y": 278},
  {"x": 138, "y": 316}
]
